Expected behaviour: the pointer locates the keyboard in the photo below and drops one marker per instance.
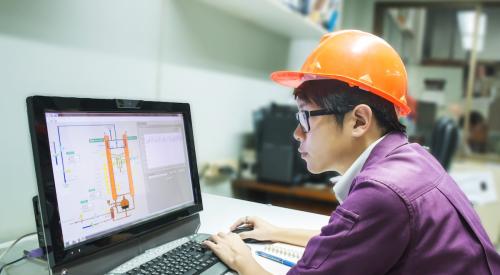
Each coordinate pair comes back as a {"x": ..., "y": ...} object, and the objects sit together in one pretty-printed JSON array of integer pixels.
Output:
[{"x": 184, "y": 256}]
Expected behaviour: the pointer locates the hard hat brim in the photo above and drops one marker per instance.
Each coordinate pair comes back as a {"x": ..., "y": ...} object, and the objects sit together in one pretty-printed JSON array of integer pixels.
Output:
[
  {"x": 294, "y": 79},
  {"x": 288, "y": 78}
]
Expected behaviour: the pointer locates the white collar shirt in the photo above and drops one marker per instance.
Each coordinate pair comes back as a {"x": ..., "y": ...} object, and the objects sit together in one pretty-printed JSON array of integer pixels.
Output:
[{"x": 343, "y": 185}]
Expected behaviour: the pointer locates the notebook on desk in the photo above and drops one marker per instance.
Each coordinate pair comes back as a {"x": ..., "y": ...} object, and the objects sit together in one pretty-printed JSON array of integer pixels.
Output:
[
  {"x": 118, "y": 187},
  {"x": 281, "y": 251},
  {"x": 287, "y": 252}
]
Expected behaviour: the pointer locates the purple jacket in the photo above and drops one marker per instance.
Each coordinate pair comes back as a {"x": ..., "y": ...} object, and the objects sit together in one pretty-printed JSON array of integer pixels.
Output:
[{"x": 404, "y": 215}]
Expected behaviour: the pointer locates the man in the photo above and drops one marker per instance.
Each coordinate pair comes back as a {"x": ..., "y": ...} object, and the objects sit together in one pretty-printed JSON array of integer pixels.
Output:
[{"x": 400, "y": 212}]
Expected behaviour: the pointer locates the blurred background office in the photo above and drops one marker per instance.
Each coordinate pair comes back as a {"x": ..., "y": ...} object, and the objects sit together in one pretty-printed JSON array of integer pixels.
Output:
[{"x": 217, "y": 56}]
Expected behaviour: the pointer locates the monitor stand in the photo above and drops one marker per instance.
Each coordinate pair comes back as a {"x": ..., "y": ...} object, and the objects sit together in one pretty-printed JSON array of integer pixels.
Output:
[{"x": 109, "y": 258}]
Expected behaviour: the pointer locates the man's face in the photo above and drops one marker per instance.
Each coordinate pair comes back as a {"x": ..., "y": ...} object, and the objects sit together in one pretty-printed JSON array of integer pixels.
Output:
[{"x": 326, "y": 147}]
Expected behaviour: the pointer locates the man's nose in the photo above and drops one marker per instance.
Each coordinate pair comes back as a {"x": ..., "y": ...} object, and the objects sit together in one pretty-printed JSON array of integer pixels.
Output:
[{"x": 298, "y": 134}]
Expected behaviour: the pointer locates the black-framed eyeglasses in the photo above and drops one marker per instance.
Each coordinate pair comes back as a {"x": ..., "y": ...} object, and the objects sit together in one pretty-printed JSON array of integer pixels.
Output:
[{"x": 303, "y": 117}]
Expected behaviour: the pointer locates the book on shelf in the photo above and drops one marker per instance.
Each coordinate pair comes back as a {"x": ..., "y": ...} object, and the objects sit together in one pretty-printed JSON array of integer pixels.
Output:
[{"x": 322, "y": 12}]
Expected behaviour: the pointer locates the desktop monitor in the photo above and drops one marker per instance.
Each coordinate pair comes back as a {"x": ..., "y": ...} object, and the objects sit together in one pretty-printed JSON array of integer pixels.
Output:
[
  {"x": 426, "y": 120},
  {"x": 109, "y": 171}
]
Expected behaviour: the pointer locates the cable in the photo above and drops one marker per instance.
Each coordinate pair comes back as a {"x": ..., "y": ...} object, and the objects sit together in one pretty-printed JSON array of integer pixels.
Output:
[
  {"x": 14, "y": 243},
  {"x": 36, "y": 253},
  {"x": 13, "y": 262}
]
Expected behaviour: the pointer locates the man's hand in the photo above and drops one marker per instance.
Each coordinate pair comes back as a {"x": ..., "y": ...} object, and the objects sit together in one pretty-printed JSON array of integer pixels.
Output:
[
  {"x": 234, "y": 252},
  {"x": 262, "y": 230}
]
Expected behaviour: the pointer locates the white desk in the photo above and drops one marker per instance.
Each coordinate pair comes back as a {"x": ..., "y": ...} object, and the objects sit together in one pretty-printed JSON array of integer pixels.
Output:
[{"x": 218, "y": 215}]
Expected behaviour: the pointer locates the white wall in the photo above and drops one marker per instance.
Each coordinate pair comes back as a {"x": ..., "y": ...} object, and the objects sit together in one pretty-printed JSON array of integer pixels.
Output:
[
  {"x": 358, "y": 14},
  {"x": 221, "y": 66},
  {"x": 299, "y": 51},
  {"x": 452, "y": 92},
  {"x": 168, "y": 50},
  {"x": 221, "y": 104},
  {"x": 71, "y": 49}
]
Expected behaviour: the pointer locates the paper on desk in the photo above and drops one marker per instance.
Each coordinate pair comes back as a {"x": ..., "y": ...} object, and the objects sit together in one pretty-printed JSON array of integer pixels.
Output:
[
  {"x": 479, "y": 186},
  {"x": 272, "y": 267}
]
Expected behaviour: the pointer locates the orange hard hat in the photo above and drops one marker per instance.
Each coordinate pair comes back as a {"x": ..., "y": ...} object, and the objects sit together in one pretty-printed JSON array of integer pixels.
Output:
[{"x": 358, "y": 58}]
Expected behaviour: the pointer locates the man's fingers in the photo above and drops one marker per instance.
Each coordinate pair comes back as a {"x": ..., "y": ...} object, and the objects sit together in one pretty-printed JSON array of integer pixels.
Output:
[
  {"x": 251, "y": 220},
  {"x": 210, "y": 244},
  {"x": 245, "y": 235},
  {"x": 237, "y": 223},
  {"x": 215, "y": 238},
  {"x": 243, "y": 220}
]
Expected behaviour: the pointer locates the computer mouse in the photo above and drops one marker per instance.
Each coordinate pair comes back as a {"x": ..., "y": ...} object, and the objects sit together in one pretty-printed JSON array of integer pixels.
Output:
[{"x": 243, "y": 229}]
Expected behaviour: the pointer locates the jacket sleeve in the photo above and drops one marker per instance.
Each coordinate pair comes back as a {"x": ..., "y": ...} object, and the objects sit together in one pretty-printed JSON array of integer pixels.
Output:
[{"x": 367, "y": 234}]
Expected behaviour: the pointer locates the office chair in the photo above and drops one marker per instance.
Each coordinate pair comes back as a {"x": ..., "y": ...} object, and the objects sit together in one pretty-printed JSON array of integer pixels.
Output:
[{"x": 444, "y": 140}]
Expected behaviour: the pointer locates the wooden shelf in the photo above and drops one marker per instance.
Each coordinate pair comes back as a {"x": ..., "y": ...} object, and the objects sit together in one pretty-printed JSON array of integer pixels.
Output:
[
  {"x": 272, "y": 15},
  {"x": 323, "y": 193},
  {"x": 317, "y": 199}
]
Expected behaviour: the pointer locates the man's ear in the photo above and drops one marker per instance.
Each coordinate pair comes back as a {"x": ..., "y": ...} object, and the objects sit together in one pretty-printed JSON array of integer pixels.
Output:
[{"x": 363, "y": 118}]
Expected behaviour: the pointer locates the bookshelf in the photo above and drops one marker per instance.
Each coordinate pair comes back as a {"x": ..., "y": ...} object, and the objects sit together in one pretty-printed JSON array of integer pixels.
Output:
[{"x": 272, "y": 15}]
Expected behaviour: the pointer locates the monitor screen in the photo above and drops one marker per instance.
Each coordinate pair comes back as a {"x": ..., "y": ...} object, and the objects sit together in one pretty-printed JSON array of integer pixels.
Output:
[
  {"x": 110, "y": 172},
  {"x": 114, "y": 170}
]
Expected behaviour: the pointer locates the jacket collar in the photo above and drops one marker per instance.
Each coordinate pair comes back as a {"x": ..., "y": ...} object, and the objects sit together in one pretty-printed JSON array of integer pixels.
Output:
[{"x": 392, "y": 141}]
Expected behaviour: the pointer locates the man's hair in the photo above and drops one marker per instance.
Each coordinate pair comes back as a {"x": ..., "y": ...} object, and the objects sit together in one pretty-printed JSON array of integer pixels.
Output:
[
  {"x": 475, "y": 118},
  {"x": 339, "y": 97}
]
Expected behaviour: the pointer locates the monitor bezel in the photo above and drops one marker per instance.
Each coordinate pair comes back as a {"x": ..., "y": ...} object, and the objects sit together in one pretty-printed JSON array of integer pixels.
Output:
[{"x": 37, "y": 106}]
